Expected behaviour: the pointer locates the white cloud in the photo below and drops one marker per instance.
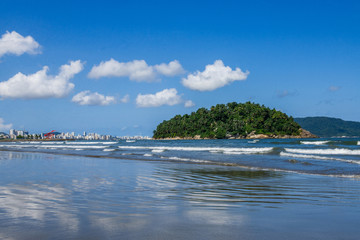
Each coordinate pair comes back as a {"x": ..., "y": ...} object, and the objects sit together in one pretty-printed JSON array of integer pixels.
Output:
[
  {"x": 125, "y": 99},
  {"x": 137, "y": 70},
  {"x": 40, "y": 84},
  {"x": 171, "y": 69},
  {"x": 14, "y": 43},
  {"x": 93, "y": 99},
  {"x": 214, "y": 76},
  {"x": 189, "y": 103},
  {"x": 165, "y": 97},
  {"x": 3, "y": 126}
]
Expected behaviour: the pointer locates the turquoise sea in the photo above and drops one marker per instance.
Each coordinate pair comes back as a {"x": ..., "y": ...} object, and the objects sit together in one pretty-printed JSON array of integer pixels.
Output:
[{"x": 184, "y": 189}]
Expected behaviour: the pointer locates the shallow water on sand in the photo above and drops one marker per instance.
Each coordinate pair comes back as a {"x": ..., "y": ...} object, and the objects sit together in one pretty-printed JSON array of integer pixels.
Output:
[{"x": 52, "y": 196}]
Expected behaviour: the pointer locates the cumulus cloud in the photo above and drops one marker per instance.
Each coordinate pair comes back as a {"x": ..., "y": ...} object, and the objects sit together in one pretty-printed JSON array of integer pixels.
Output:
[
  {"x": 189, "y": 103},
  {"x": 92, "y": 99},
  {"x": 171, "y": 69},
  {"x": 214, "y": 76},
  {"x": 40, "y": 84},
  {"x": 137, "y": 70},
  {"x": 14, "y": 43},
  {"x": 3, "y": 126},
  {"x": 164, "y": 97},
  {"x": 125, "y": 99}
]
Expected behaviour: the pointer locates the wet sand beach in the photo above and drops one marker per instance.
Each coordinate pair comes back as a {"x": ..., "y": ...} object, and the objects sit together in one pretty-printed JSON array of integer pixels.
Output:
[{"x": 52, "y": 196}]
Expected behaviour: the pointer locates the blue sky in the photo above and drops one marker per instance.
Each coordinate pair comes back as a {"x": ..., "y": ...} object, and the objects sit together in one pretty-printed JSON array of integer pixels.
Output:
[{"x": 129, "y": 65}]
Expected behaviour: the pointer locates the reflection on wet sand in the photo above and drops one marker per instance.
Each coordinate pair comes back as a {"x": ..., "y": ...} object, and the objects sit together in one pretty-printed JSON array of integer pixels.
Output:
[
  {"x": 86, "y": 198},
  {"x": 37, "y": 202}
]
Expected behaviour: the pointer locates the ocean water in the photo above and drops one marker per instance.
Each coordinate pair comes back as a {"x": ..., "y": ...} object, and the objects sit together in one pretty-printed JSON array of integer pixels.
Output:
[
  {"x": 338, "y": 157},
  {"x": 191, "y": 189}
]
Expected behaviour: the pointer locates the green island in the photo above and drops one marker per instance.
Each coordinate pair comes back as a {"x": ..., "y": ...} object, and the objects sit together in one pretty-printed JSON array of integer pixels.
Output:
[{"x": 231, "y": 121}]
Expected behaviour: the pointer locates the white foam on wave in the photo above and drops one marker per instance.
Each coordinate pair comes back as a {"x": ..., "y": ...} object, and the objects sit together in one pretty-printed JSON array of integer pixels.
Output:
[
  {"x": 253, "y": 141},
  {"x": 16, "y": 145},
  {"x": 56, "y": 146},
  {"x": 336, "y": 151},
  {"x": 187, "y": 159},
  {"x": 235, "y": 153},
  {"x": 314, "y": 142},
  {"x": 157, "y": 150},
  {"x": 284, "y": 154},
  {"x": 109, "y": 143},
  {"x": 210, "y": 149},
  {"x": 358, "y": 143},
  {"x": 82, "y": 143},
  {"x": 89, "y": 143},
  {"x": 213, "y": 151},
  {"x": 52, "y": 142},
  {"x": 40, "y": 146},
  {"x": 109, "y": 149},
  {"x": 83, "y": 147},
  {"x": 30, "y": 142},
  {"x": 148, "y": 155}
]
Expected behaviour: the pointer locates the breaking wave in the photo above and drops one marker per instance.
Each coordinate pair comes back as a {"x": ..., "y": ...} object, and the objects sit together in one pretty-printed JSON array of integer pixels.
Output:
[
  {"x": 89, "y": 143},
  {"x": 108, "y": 143},
  {"x": 336, "y": 151},
  {"x": 109, "y": 149},
  {"x": 314, "y": 142},
  {"x": 82, "y": 143},
  {"x": 284, "y": 154},
  {"x": 41, "y": 146},
  {"x": 187, "y": 159},
  {"x": 157, "y": 150},
  {"x": 210, "y": 149}
]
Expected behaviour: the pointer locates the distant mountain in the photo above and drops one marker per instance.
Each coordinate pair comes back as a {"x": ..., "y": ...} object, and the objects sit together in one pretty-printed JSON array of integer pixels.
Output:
[{"x": 329, "y": 127}]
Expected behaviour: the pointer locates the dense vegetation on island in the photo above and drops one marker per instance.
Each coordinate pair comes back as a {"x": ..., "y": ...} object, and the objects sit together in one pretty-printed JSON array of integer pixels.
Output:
[
  {"x": 230, "y": 120},
  {"x": 329, "y": 127}
]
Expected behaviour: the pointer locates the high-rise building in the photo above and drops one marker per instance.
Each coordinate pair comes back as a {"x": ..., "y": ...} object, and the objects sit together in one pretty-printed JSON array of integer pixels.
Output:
[{"x": 12, "y": 132}]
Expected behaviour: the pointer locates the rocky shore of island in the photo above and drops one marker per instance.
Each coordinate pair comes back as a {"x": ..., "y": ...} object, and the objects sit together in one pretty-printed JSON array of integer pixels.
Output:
[{"x": 303, "y": 134}]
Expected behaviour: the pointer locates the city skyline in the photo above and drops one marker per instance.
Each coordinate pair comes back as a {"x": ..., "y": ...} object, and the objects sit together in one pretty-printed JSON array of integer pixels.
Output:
[
  {"x": 23, "y": 134},
  {"x": 123, "y": 68}
]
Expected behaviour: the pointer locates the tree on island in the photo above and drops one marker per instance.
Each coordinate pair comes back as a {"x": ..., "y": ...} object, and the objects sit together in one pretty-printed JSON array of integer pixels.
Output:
[{"x": 230, "y": 120}]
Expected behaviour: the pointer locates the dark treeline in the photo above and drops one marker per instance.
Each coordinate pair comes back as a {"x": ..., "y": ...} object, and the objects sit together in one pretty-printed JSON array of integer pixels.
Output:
[{"x": 233, "y": 119}]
